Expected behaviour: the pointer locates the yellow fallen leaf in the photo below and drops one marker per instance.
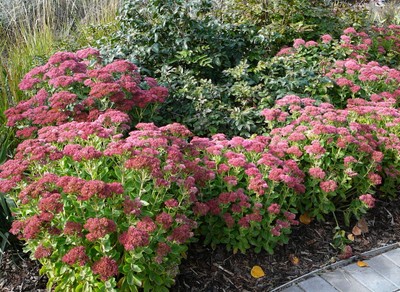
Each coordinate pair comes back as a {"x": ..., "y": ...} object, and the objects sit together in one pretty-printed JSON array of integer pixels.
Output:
[
  {"x": 362, "y": 264},
  {"x": 257, "y": 272},
  {"x": 305, "y": 219},
  {"x": 350, "y": 236},
  {"x": 294, "y": 260}
]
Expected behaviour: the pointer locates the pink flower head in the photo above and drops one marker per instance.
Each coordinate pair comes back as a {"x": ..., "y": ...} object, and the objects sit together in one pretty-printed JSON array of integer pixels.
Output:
[
  {"x": 368, "y": 199},
  {"x": 298, "y": 42},
  {"x": 181, "y": 234},
  {"x": 201, "y": 209},
  {"x": 76, "y": 255},
  {"x": 171, "y": 203},
  {"x": 165, "y": 220},
  {"x": 92, "y": 188},
  {"x": 350, "y": 30},
  {"x": 375, "y": 179},
  {"x": 231, "y": 180},
  {"x": 42, "y": 252},
  {"x": 317, "y": 172},
  {"x": 328, "y": 186},
  {"x": 132, "y": 206},
  {"x": 85, "y": 53},
  {"x": 349, "y": 159},
  {"x": 99, "y": 227},
  {"x": 106, "y": 267},
  {"x": 326, "y": 38},
  {"x": 133, "y": 238},
  {"x": 163, "y": 249},
  {"x": 315, "y": 148},
  {"x": 377, "y": 156},
  {"x": 311, "y": 44},
  {"x": 146, "y": 224},
  {"x": 274, "y": 208},
  {"x": 73, "y": 228},
  {"x": 51, "y": 203}
]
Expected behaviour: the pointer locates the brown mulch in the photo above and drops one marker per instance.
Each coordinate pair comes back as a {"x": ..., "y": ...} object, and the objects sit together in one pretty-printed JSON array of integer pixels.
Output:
[{"x": 219, "y": 270}]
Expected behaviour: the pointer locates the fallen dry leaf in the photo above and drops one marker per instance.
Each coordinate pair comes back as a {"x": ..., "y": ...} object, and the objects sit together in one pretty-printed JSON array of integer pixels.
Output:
[
  {"x": 356, "y": 230},
  {"x": 257, "y": 272},
  {"x": 305, "y": 219},
  {"x": 360, "y": 227},
  {"x": 362, "y": 264},
  {"x": 294, "y": 260},
  {"x": 350, "y": 236}
]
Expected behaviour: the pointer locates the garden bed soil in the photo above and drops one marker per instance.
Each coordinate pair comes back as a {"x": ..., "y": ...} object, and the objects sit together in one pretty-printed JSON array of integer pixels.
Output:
[{"x": 205, "y": 269}]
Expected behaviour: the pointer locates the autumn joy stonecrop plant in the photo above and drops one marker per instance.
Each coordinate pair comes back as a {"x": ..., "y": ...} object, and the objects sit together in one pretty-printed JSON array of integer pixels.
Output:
[
  {"x": 101, "y": 212},
  {"x": 77, "y": 87}
]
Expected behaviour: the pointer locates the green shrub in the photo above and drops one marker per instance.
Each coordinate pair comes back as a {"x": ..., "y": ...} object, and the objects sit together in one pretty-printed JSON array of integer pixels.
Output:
[{"x": 192, "y": 47}]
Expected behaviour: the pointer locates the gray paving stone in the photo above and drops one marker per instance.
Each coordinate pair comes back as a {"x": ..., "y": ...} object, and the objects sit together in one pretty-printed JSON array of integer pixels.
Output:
[
  {"x": 394, "y": 256},
  {"x": 343, "y": 281},
  {"x": 293, "y": 288},
  {"x": 316, "y": 283},
  {"x": 386, "y": 268},
  {"x": 370, "y": 278}
]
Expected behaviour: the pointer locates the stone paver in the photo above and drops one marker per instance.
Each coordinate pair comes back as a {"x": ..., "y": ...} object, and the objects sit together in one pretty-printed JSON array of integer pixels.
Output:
[
  {"x": 381, "y": 275},
  {"x": 293, "y": 288},
  {"x": 387, "y": 268},
  {"x": 394, "y": 256},
  {"x": 370, "y": 278},
  {"x": 316, "y": 284},
  {"x": 343, "y": 281}
]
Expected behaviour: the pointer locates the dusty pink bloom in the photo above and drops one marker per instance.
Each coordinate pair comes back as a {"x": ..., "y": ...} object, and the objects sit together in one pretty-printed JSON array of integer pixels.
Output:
[
  {"x": 328, "y": 186},
  {"x": 99, "y": 227},
  {"x": 165, "y": 220},
  {"x": 315, "y": 148},
  {"x": 350, "y": 30},
  {"x": 349, "y": 159},
  {"x": 146, "y": 224},
  {"x": 76, "y": 255},
  {"x": 200, "y": 209},
  {"x": 85, "y": 53},
  {"x": 163, "y": 249},
  {"x": 91, "y": 188},
  {"x": 368, "y": 199},
  {"x": 276, "y": 231},
  {"x": 375, "y": 179},
  {"x": 51, "y": 203},
  {"x": 231, "y": 180},
  {"x": 311, "y": 44},
  {"x": 42, "y": 252},
  {"x": 73, "y": 228},
  {"x": 326, "y": 38},
  {"x": 377, "y": 156},
  {"x": 106, "y": 267},
  {"x": 317, "y": 172},
  {"x": 298, "y": 42},
  {"x": 171, "y": 203},
  {"x": 285, "y": 51},
  {"x": 181, "y": 234},
  {"x": 133, "y": 238},
  {"x": 274, "y": 208},
  {"x": 229, "y": 220}
]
